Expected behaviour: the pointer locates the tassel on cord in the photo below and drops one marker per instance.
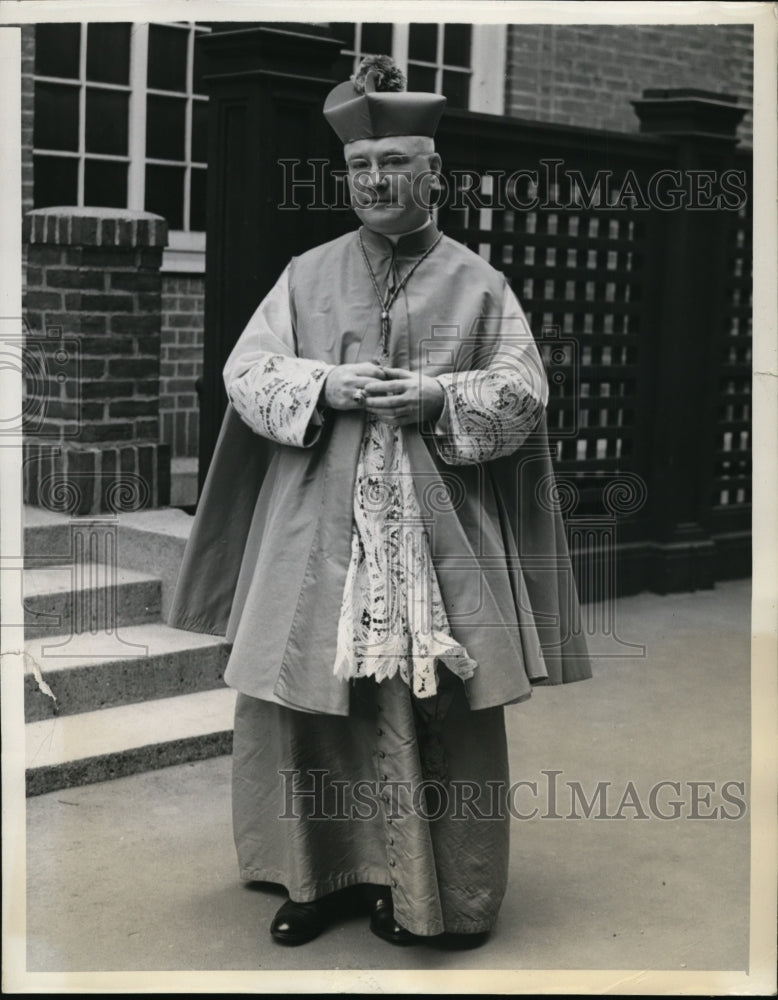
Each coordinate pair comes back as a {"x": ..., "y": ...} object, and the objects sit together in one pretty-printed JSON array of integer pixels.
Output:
[{"x": 385, "y": 75}]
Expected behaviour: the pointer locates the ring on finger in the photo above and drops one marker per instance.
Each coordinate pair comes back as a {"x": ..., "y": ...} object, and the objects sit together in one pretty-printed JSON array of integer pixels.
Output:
[{"x": 359, "y": 395}]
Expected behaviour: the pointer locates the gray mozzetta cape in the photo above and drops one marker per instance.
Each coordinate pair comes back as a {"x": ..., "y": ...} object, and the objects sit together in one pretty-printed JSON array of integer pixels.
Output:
[{"x": 266, "y": 560}]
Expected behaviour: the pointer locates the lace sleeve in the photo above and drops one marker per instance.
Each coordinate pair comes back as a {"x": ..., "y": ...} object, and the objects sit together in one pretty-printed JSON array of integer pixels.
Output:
[
  {"x": 275, "y": 392},
  {"x": 277, "y": 397},
  {"x": 490, "y": 409}
]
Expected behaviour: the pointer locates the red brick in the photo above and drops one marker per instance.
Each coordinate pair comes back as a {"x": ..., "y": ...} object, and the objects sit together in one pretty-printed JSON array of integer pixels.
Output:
[
  {"x": 113, "y": 257},
  {"x": 147, "y": 346},
  {"x": 178, "y": 321},
  {"x": 139, "y": 281},
  {"x": 43, "y": 299},
  {"x": 75, "y": 278},
  {"x": 134, "y": 324},
  {"x": 190, "y": 337},
  {"x": 141, "y": 368},
  {"x": 179, "y": 385},
  {"x": 116, "y": 431},
  {"x": 149, "y": 257},
  {"x": 106, "y": 346},
  {"x": 107, "y": 303},
  {"x": 93, "y": 323},
  {"x": 148, "y": 429}
]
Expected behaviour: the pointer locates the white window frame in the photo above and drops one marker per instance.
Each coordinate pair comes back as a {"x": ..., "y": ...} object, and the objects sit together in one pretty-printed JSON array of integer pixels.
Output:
[
  {"x": 487, "y": 62},
  {"x": 186, "y": 249},
  {"x": 82, "y": 83}
]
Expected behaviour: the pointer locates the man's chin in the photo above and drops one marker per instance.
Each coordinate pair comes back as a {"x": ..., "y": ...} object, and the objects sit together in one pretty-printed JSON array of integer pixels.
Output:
[{"x": 387, "y": 219}]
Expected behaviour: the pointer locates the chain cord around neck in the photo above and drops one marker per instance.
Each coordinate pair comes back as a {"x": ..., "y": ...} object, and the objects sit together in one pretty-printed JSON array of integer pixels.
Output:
[{"x": 387, "y": 301}]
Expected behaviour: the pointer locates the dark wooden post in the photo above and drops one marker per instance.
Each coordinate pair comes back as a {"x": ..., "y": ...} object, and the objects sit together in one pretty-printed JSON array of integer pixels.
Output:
[
  {"x": 266, "y": 85},
  {"x": 690, "y": 304}
]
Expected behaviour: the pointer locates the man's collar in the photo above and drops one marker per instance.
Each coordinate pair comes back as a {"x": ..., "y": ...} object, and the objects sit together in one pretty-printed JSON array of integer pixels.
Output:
[{"x": 408, "y": 244}]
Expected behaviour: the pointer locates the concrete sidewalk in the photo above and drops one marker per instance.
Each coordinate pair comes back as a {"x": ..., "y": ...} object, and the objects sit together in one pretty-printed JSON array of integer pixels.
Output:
[{"x": 140, "y": 873}]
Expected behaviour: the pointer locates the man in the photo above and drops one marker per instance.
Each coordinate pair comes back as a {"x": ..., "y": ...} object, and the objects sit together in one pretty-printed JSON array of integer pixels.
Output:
[{"x": 382, "y": 597}]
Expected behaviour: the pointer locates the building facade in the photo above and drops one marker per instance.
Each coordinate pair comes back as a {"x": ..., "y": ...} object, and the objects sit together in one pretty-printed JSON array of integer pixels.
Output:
[{"x": 114, "y": 116}]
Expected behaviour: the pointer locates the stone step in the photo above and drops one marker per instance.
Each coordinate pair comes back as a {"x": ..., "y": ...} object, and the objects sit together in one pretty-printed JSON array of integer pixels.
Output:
[
  {"x": 132, "y": 664},
  {"x": 96, "y": 597},
  {"x": 139, "y": 540},
  {"x": 63, "y": 752}
]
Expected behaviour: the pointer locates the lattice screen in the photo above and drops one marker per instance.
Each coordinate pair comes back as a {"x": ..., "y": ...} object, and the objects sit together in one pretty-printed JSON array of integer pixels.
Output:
[
  {"x": 577, "y": 273},
  {"x": 732, "y": 469}
]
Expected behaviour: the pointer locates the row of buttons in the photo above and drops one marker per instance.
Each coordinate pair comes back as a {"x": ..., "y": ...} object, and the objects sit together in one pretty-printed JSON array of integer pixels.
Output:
[{"x": 381, "y": 754}]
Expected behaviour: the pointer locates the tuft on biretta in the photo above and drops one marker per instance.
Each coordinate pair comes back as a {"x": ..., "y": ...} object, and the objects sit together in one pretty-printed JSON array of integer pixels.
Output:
[{"x": 374, "y": 103}]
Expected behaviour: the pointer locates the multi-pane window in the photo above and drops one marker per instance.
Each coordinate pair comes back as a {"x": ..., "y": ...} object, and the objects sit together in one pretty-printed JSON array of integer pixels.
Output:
[
  {"x": 435, "y": 57},
  {"x": 119, "y": 120},
  {"x": 175, "y": 146},
  {"x": 81, "y": 124},
  {"x": 439, "y": 59}
]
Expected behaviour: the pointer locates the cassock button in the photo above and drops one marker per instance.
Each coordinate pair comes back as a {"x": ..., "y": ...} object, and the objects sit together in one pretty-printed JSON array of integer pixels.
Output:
[
  {"x": 382, "y": 754},
  {"x": 392, "y": 863},
  {"x": 380, "y": 732},
  {"x": 384, "y": 777},
  {"x": 391, "y": 841},
  {"x": 394, "y": 883}
]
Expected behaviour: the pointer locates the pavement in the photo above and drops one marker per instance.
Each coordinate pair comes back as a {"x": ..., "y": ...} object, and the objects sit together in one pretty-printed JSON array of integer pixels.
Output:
[{"x": 140, "y": 873}]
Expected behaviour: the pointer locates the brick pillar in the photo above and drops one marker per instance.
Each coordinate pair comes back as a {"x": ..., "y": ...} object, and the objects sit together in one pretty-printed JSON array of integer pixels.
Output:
[{"x": 92, "y": 361}]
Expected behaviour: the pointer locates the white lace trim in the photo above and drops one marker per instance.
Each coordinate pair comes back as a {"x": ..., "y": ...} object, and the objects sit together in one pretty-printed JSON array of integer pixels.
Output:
[{"x": 392, "y": 616}]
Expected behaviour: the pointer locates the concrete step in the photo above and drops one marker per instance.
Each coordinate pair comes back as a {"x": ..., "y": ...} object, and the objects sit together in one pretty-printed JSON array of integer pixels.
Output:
[
  {"x": 140, "y": 540},
  {"x": 132, "y": 664},
  {"x": 63, "y": 752},
  {"x": 96, "y": 597}
]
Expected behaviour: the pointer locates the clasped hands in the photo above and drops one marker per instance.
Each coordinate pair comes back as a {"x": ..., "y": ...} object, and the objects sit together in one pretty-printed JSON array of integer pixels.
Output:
[{"x": 396, "y": 396}]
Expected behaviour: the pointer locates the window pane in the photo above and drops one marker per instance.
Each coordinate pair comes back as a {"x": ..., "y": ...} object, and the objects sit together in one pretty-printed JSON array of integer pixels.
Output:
[
  {"x": 56, "y": 117},
  {"x": 198, "y": 85},
  {"x": 165, "y": 193},
  {"x": 167, "y": 57},
  {"x": 107, "y": 121},
  {"x": 105, "y": 184},
  {"x": 421, "y": 78},
  {"x": 456, "y": 87},
  {"x": 108, "y": 52},
  {"x": 197, "y": 200},
  {"x": 57, "y": 48},
  {"x": 55, "y": 181},
  {"x": 200, "y": 131},
  {"x": 423, "y": 42},
  {"x": 456, "y": 45},
  {"x": 377, "y": 39},
  {"x": 346, "y": 32},
  {"x": 165, "y": 127}
]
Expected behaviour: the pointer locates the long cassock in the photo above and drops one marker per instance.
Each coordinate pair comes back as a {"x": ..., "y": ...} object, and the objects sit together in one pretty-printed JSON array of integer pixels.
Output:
[{"x": 386, "y": 592}]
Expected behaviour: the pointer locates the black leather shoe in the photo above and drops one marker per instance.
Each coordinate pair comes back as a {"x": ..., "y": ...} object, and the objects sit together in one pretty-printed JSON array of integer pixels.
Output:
[
  {"x": 383, "y": 924},
  {"x": 296, "y": 923},
  {"x": 451, "y": 941}
]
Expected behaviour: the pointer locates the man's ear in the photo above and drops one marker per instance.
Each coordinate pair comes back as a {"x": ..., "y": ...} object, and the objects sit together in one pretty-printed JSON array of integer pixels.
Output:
[{"x": 436, "y": 165}]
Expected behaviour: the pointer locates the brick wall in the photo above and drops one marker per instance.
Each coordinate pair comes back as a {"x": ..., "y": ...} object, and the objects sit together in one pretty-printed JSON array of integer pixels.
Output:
[
  {"x": 92, "y": 308},
  {"x": 587, "y": 74},
  {"x": 182, "y": 361}
]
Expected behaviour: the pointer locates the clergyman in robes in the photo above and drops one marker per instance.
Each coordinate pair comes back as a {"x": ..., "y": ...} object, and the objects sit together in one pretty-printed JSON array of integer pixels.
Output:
[{"x": 396, "y": 573}]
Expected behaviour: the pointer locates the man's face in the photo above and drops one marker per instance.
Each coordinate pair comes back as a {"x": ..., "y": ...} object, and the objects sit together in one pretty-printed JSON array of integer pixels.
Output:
[{"x": 390, "y": 180}]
